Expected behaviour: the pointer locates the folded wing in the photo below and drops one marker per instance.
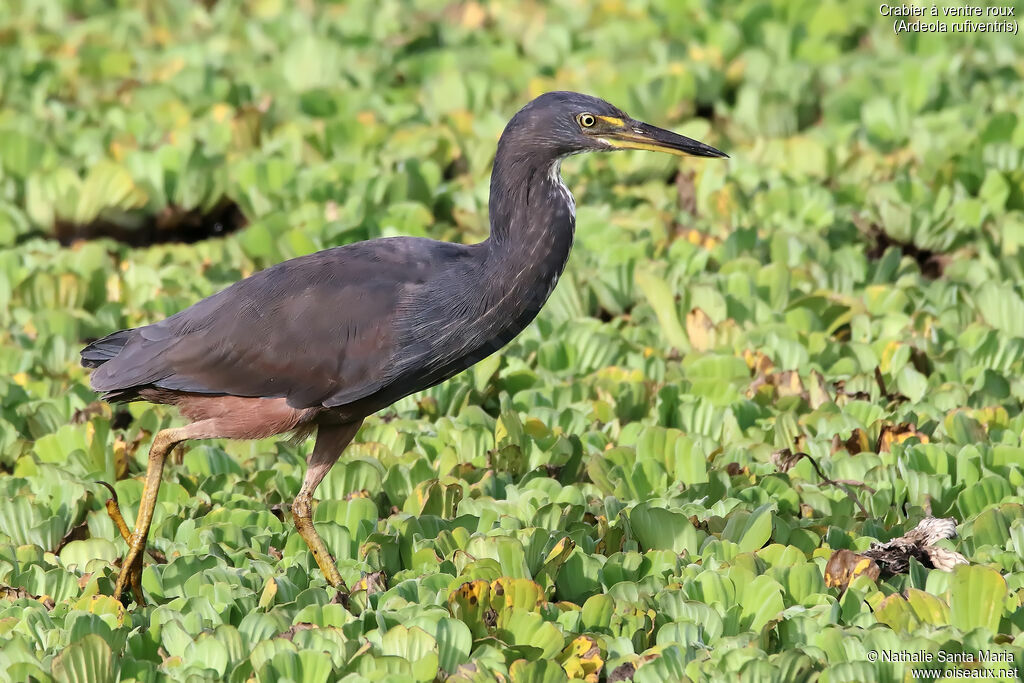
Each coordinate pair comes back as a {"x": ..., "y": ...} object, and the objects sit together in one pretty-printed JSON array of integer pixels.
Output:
[{"x": 313, "y": 330}]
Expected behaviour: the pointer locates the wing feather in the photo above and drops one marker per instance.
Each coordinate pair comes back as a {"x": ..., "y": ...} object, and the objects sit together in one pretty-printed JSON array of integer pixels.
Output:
[{"x": 310, "y": 330}]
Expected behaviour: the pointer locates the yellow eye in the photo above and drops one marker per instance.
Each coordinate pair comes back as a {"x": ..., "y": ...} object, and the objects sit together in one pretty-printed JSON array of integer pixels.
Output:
[{"x": 586, "y": 120}]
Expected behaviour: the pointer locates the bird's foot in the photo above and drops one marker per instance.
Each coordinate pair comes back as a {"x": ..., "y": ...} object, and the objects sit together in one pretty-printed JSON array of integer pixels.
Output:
[
  {"x": 342, "y": 597},
  {"x": 358, "y": 599},
  {"x": 131, "y": 575},
  {"x": 131, "y": 568},
  {"x": 333, "y": 577}
]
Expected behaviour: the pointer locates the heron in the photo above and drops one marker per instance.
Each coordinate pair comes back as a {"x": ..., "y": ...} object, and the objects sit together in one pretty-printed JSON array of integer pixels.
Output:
[{"x": 322, "y": 341}]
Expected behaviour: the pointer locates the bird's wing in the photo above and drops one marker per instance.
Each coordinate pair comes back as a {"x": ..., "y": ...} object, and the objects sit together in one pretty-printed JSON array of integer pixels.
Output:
[{"x": 310, "y": 330}]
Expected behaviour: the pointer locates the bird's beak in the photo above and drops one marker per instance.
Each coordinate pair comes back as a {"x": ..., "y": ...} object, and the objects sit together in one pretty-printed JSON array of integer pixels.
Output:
[{"x": 639, "y": 135}]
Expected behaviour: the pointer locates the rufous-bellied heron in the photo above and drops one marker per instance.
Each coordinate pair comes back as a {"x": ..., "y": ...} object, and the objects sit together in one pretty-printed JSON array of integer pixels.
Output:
[{"x": 322, "y": 341}]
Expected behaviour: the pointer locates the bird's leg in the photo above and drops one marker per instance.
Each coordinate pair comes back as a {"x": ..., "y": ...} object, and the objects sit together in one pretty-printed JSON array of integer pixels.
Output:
[
  {"x": 331, "y": 440},
  {"x": 131, "y": 568},
  {"x": 114, "y": 510}
]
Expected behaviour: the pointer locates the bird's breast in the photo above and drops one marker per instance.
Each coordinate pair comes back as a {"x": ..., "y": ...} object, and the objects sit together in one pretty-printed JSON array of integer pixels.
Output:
[{"x": 463, "y": 314}]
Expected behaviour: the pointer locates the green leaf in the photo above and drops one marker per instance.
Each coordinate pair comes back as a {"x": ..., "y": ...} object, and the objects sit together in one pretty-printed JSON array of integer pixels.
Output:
[
  {"x": 976, "y": 598},
  {"x": 980, "y": 495},
  {"x": 761, "y": 601},
  {"x": 107, "y": 186},
  {"x": 78, "y": 554},
  {"x": 415, "y": 646},
  {"x": 542, "y": 671},
  {"x": 454, "y": 643},
  {"x": 1001, "y": 307},
  {"x": 750, "y": 531},
  {"x": 927, "y": 608},
  {"x": 662, "y": 300},
  {"x": 597, "y": 612},
  {"x": 88, "y": 660},
  {"x": 520, "y": 627},
  {"x": 896, "y": 613},
  {"x": 656, "y": 527}
]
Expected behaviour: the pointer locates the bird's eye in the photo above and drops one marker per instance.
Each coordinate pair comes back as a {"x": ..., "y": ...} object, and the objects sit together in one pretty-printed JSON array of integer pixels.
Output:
[{"x": 586, "y": 120}]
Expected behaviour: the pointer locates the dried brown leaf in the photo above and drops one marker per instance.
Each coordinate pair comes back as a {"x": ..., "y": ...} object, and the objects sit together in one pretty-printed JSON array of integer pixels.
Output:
[{"x": 845, "y": 565}]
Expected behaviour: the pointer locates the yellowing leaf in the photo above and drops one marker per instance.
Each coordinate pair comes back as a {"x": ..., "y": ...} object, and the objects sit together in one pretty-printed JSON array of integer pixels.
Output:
[
  {"x": 269, "y": 593},
  {"x": 857, "y": 443},
  {"x": 473, "y": 16},
  {"x": 582, "y": 659},
  {"x": 520, "y": 593},
  {"x": 789, "y": 383},
  {"x": 818, "y": 393},
  {"x": 471, "y": 603},
  {"x": 699, "y": 329},
  {"x": 891, "y": 434}
]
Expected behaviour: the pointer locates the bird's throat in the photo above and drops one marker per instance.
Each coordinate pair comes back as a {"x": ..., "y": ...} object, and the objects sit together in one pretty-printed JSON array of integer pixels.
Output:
[{"x": 533, "y": 222}]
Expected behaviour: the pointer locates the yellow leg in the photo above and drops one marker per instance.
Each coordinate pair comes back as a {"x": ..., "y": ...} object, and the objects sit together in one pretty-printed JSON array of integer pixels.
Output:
[
  {"x": 302, "y": 512},
  {"x": 131, "y": 568},
  {"x": 331, "y": 440},
  {"x": 114, "y": 510}
]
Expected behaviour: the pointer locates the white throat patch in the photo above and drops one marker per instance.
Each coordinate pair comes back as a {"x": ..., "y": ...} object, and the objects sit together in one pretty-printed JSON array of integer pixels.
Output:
[{"x": 555, "y": 173}]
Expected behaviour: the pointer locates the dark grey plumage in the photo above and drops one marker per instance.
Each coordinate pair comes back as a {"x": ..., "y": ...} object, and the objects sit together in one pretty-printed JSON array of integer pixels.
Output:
[
  {"x": 324, "y": 340},
  {"x": 358, "y": 327}
]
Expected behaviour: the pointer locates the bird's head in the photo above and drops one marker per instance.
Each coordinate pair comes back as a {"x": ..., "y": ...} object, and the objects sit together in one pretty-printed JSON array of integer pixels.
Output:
[{"x": 563, "y": 123}]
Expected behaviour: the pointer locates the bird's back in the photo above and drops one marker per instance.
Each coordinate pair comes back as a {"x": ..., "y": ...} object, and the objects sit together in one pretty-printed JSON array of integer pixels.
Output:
[{"x": 320, "y": 330}]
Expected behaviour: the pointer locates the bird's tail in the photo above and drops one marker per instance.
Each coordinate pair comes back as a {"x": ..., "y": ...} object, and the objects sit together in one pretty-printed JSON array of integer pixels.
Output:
[{"x": 102, "y": 350}]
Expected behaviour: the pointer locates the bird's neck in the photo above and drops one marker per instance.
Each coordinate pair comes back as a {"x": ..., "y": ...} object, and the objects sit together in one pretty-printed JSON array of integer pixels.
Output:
[{"x": 533, "y": 219}]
